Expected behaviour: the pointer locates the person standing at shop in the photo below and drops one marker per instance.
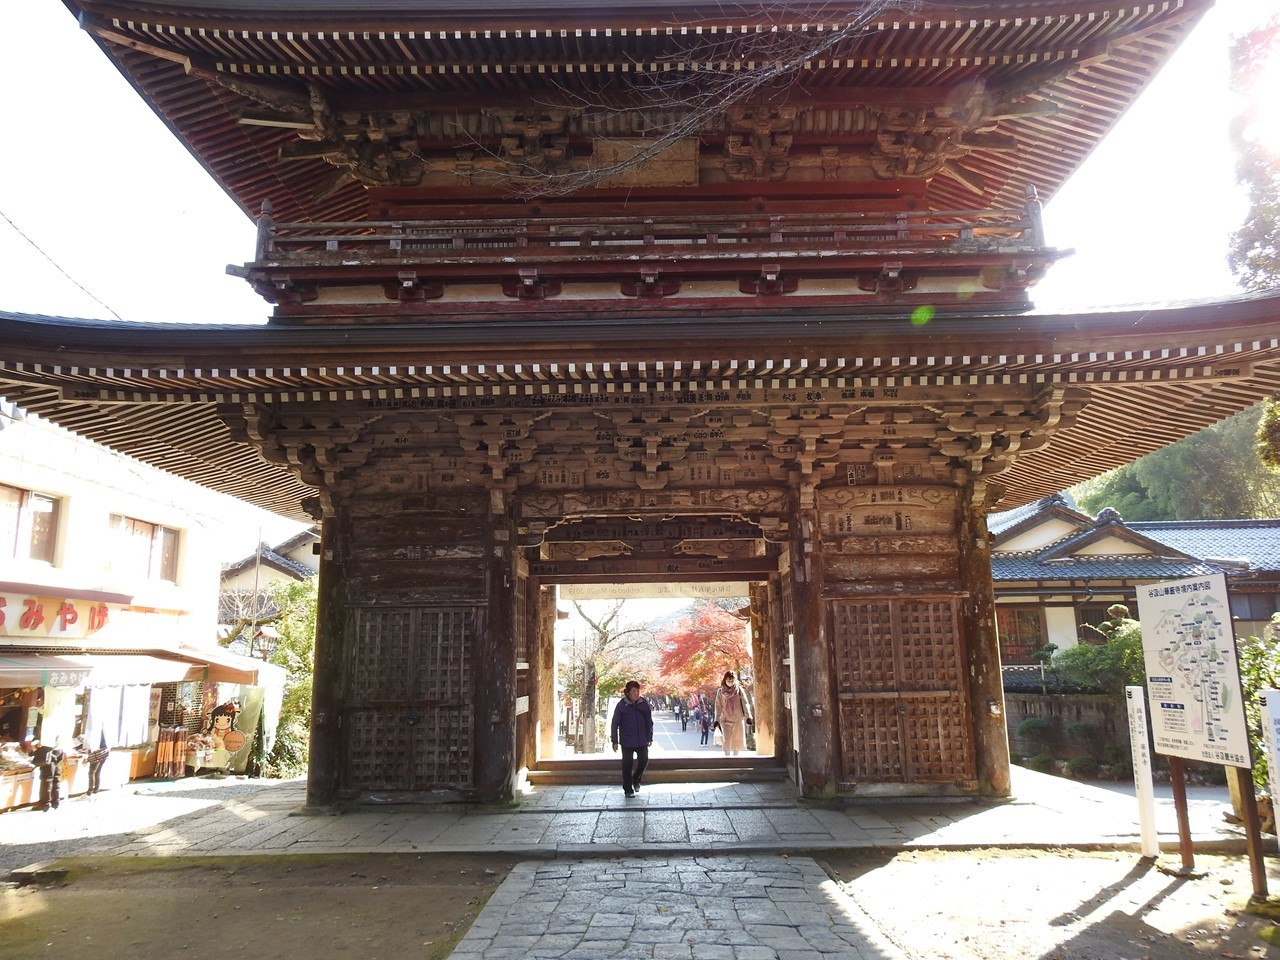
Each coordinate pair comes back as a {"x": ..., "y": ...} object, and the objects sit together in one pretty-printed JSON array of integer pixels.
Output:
[
  {"x": 96, "y": 757},
  {"x": 732, "y": 715},
  {"x": 48, "y": 761},
  {"x": 632, "y": 727}
]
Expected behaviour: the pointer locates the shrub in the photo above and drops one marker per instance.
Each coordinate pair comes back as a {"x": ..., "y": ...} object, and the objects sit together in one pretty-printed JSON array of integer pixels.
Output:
[
  {"x": 1042, "y": 762},
  {"x": 288, "y": 757},
  {"x": 1259, "y": 670},
  {"x": 1103, "y": 668},
  {"x": 1034, "y": 728},
  {"x": 1087, "y": 732},
  {"x": 1084, "y": 768}
]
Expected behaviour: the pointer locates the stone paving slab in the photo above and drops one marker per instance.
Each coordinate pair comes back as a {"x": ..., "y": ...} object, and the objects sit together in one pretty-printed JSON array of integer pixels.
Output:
[
  {"x": 686, "y": 907},
  {"x": 209, "y": 817}
]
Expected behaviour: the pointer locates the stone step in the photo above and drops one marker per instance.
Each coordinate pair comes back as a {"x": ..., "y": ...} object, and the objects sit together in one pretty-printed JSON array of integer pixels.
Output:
[{"x": 604, "y": 770}]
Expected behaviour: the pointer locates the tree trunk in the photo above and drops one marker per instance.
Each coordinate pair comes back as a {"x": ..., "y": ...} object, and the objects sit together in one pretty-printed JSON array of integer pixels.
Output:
[{"x": 589, "y": 707}]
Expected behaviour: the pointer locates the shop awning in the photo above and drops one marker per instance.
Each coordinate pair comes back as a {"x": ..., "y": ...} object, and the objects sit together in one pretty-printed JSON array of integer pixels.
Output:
[
  {"x": 227, "y": 667},
  {"x": 98, "y": 670}
]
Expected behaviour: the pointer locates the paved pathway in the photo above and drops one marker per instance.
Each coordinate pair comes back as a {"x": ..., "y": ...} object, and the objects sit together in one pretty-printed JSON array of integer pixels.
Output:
[
  {"x": 711, "y": 871},
  {"x": 673, "y": 908},
  {"x": 227, "y": 817}
]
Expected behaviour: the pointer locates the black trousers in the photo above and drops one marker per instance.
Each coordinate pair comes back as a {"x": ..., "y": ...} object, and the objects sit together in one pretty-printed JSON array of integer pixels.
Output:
[
  {"x": 95, "y": 774},
  {"x": 50, "y": 791},
  {"x": 706, "y": 734},
  {"x": 634, "y": 760}
]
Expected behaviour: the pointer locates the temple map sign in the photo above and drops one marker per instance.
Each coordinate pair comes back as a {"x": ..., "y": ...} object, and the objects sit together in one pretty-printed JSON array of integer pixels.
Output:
[{"x": 1193, "y": 679}]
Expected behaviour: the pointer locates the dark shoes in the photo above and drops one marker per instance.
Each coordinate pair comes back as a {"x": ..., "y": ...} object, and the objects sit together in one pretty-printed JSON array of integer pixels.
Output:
[{"x": 629, "y": 794}]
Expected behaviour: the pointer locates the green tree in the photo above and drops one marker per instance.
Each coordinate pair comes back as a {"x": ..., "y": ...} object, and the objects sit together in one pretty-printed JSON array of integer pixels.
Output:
[
  {"x": 1107, "y": 666},
  {"x": 295, "y": 651},
  {"x": 612, "y": 652},
  {"x": 1215, "y": 474},
  {"x": 1254, "y": 255},
  {"x": 1259, "y": 659}
]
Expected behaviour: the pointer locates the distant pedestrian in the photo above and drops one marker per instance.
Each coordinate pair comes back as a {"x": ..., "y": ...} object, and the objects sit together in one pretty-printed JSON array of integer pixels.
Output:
[
  {"x": 632, "y": 727},
  {"x": 732, "y": 715},
  {"x": 704, "y": 724}
]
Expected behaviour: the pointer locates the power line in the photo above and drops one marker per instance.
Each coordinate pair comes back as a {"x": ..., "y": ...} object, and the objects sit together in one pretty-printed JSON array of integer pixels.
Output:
[{"x": 58, "y": 267}]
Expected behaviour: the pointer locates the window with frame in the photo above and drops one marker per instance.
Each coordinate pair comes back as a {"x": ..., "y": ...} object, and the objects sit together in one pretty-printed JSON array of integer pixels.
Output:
[
  {"x": 1094, "y": 615},
  {"x": 144, "y": 549},
  {"x": 1021, "y": 632},
  {"x": 28, "y": 524},
  {"x": 1254, "y": 606}
]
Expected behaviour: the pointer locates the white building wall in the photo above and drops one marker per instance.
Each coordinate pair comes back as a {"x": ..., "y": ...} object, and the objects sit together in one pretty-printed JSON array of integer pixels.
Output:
[
  {"x": 1060, "y": 626},
  {"x": 92, "y": 483}
]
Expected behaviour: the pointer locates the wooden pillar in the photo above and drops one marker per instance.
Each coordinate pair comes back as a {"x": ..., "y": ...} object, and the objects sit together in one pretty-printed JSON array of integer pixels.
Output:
[
  {"x": 982, "y": 665},
  {"x": 814, "y": 704},
  {"x": 764, "y": 642},
  {"x": 495, "y": 660},
  {"x": 326, "y": 752},
  {"x": 546, "y": 707}
]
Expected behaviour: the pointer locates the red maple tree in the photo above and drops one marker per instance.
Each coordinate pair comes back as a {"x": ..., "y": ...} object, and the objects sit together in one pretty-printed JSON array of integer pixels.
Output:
[{"x": 697, "y": 650}]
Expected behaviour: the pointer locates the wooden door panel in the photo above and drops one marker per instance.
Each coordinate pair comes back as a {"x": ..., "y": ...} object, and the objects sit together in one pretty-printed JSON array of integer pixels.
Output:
[
  {"x": 903, "y": 713},
  {"x": 408, "y": 716}
]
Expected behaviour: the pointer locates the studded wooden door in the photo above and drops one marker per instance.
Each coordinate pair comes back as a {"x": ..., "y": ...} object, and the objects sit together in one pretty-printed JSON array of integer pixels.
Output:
[
  {"x": 903, "y": 710},
  {"x": 408, "y": 719}
]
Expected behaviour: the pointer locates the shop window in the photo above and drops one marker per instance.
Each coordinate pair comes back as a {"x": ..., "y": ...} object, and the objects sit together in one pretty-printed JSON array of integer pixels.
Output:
[
  {"x": 144, "y": 549},
  {"x": 28, "y": 524},
  {"x": 1021, "y": 632}
]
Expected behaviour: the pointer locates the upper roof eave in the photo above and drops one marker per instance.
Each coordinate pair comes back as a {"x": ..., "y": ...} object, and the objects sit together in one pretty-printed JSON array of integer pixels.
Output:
[{"x": 1095, "y": 57}]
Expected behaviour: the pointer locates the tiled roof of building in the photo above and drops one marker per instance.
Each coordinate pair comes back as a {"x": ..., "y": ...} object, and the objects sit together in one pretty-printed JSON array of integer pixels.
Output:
[
  {"x": 1257, "y": 541},
  {"x": 1165, "y": 550},
  {"x": 998, "y": 523},
  {"x": 1006, "y": 567},
  {"x": 276, "y": 557}
]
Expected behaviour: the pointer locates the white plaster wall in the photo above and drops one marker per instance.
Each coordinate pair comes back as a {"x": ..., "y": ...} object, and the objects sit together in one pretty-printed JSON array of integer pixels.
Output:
[
  {"x": 1060, "y": 625},
  {"x": 93, "y": 483}
]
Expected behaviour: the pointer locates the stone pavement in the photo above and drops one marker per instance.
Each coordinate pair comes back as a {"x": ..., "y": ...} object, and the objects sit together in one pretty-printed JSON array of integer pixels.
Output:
[
  {"x": 725, "y": 907},
  {"x": 710, "y": 871}
]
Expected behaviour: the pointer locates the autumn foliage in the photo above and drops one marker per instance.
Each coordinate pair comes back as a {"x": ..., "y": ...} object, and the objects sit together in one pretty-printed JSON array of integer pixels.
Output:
[{"x": 696, "y": 651}]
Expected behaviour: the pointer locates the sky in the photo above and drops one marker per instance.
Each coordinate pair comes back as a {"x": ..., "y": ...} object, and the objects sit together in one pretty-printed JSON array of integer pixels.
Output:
[
  {"x": 91, "y": 180},
  {"x": 139, "y": 231}
]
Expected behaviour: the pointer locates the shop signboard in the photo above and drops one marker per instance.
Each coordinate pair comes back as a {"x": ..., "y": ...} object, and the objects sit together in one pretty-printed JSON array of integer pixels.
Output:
[
  {"x": 24, "y": 615},
  {"x": 1193, "y": 678}
]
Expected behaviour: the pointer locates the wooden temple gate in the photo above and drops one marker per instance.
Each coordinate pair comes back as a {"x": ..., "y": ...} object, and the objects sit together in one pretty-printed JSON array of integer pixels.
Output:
[
  {"x": 577, "y": 293},
  {"x": 447, "y": 518}
]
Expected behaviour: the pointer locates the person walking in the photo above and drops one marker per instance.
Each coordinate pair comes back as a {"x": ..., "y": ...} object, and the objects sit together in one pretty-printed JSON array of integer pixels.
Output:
[
  {"x": 632, "y": 727},
  {"x": 704, "y": 724},
  {"x": 732, "y": 715}
]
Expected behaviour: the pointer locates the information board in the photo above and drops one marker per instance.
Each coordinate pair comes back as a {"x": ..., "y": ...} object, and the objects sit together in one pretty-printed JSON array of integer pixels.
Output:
[{"x": 1193, "y": 679}]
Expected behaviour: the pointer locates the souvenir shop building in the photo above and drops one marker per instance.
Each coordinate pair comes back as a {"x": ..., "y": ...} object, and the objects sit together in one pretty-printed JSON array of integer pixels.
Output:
[
  {"x": 661, "y": 293},
  {"x": 106, "y": 619}
]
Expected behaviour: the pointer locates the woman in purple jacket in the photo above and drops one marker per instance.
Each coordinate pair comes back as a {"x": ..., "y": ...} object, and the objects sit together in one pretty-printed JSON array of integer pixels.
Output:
[{"x": 633, "y": 728}]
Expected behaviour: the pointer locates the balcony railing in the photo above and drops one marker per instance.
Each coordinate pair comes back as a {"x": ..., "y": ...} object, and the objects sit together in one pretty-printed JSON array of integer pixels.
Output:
[{"x": 711, "y": 236}]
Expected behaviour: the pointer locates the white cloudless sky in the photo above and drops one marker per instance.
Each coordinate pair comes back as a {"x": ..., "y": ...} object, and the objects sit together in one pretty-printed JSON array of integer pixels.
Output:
[{"x": 93, "y": 178}]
